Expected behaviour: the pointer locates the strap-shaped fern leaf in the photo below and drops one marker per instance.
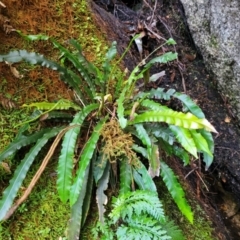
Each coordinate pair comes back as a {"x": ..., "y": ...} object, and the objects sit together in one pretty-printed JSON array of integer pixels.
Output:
[
  {"x": 60, "y": 105},
  {"x": 65, "y": 163},
  {"x": 160, "y": 93},
  {"x": 153, "y": 105},
  {"x": 185, "y": 138},
  {"x": 33, "y": 58},
  {"x": 152, "y": 149},
  {"x": 162, "y": 132},
  {"x": 85, "y": 159},
  {"x": 74, "y": 226},
  {"x": 185, "y": 120},
  {"x": 20, "y": 173},
  {"x": 138, "y": 228},
  {"x": 99, "y": 166},
  {"x": 201, "y": 143},
  {"x": 190, "y": 104},
  {"x": 126, "y": 177},
  {"x": 165, "y": 58},
  {"x": 208, "y": 159},
  {"x": 112, "y": 51},
  {"x": 120, "y": 109},
  {"x": 176, "y": 191},
  {"x": 79, "y": 66},
  {"x": 101, "y": 197},
  {"x": 137, "y": 203},
  {"x": 21, "y": 141},
  {"x": 143, "y": 179}
]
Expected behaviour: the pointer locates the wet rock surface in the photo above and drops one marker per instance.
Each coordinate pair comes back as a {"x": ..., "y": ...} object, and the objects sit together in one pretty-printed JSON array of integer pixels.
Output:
[{"x": 214, "y": 26}]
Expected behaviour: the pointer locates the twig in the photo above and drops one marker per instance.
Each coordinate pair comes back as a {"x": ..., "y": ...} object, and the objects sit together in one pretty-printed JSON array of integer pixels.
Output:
[
  {"x": 38, "y": 173},
  {"x": 2, "y": 4},
  {"x": 202, "y": 181}
]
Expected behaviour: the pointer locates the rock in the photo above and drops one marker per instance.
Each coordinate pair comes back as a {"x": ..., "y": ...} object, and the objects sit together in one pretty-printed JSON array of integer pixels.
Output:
[{"x": 214, "y": 25}]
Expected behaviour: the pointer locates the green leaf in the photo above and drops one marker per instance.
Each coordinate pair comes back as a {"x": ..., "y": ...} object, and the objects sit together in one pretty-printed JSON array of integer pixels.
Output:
[
  {"x": 154, "y": 162},
  {"x": 99, "y": 166},
  {"x": 176, "y": 191},
  {"x": 33, "y": 37},
  {"x": 60, "y": 105},
  {"x": 74, "y": 226},
  {"x": 79, "y": 65},
  {"x": 184, "y": 137},
  {"x": 160, "y": 93},
  {"x": 84, "y": 161},
  {"x": 66, "y": 75},
  {"x": 65, "y": 163},
  {"x": 185, "y": 120},
  {"x": 21, "y": 141},
  {"x": 101, "y": 198},
  {"x": 88, "y": 196},
  {"x": 190, "y": 104},
  {"x": 120, "y": 110},
  {"x": 137, "y": 203},
  {"x": 208, "y": 159},
  {"x": 139, "y": 228},
  {"x": 126, "y": 177},
  {"x": 200, "y": 142},
  {"x": 165, "y": 58},
  {"x": 153, "y": 105},
  {"x": 143, "y": 178},
  {"x": 20, "y": 173},
  {"x": 171, "y": 41}
]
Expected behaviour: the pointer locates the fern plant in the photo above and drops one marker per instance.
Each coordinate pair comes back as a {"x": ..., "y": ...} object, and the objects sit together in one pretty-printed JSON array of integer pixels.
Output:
[
  {"x": 137, "y": 215},
  {"x": 126, "y": 125}
]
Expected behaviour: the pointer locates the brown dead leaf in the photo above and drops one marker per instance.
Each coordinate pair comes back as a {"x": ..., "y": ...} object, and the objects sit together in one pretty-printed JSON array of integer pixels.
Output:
[
  {"x": 2, "y": 4},
  {"x": 6, "y": 167},
  {"x": 172, "y": 76},
  {"x": 227, "y": 119},
  {"x": 14, "y": 71},
  {"x": 7, "y": 103},
  {"x": 190, "y": 57}
]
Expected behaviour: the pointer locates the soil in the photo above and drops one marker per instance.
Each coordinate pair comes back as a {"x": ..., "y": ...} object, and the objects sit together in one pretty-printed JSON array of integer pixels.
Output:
[{"x": 218, "y": 189}]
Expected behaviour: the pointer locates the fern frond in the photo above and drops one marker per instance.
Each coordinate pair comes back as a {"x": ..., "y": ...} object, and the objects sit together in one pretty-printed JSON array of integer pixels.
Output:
[
  {"x": 162, "y": 132},
  {"x": 74, "y": 226},
  {"x": 20, "y": 173},
  {"x": 84, "y": 161},
  {"x": 139, "y": 228},
  {"x": 60, "y": 105},
  {"x": 111, "y": 53},
  {"x": 138, "y": 202},
  {"x": 126, "y": 177},
  {"x": 65, "y": 163},
  {"x": 79, "y": 66},
  {"x": 185, "y": 120},
  {"x": 22, "y": 141},
  {"x": 101, "y": 197},
  {"x": 185, "y": 138},
  {"x": 208, "y": 159},
  {"x": 172, "y": 230},
  {"x": 190, "y": 104},
  {"x": 143, "y": 179},
  {"x": 201, "y": 143},
  {"x": 160, "y": 93},
  {"x": 33, "y": 58},
  {"x": 176, "y": 191},
  {"x": 150, "y": 104}
]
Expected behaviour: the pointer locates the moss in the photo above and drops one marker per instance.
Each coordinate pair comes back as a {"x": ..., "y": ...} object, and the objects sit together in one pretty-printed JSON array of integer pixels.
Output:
[
  {"x": 201, "y": 229},
  {"x": 42, "y": 216}
]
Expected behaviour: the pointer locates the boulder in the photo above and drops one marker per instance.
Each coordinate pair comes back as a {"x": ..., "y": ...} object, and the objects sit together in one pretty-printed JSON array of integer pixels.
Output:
[{"x": 214, "y": 25}]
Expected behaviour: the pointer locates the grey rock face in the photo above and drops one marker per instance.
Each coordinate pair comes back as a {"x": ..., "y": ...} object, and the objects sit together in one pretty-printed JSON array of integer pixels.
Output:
[{"x": 215, "y": 28}]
